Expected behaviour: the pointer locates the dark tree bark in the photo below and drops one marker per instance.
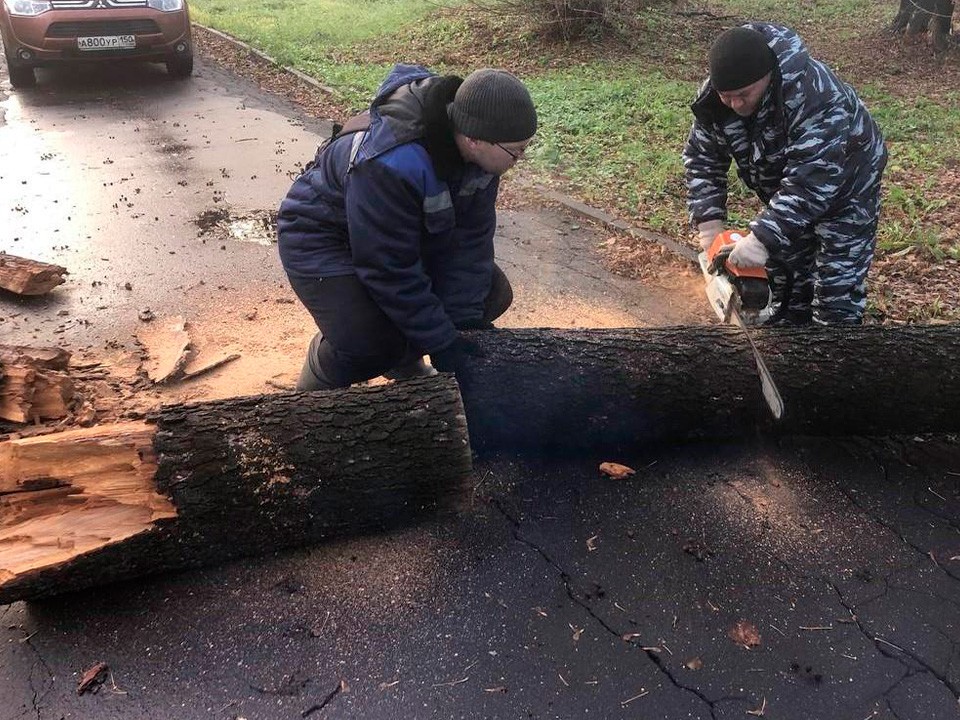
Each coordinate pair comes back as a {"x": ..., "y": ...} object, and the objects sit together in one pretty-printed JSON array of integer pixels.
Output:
[
  {"x": 200, "y": 484},
  {"x": 917, "y": 16},
  {"x": 591, "y": 390}
]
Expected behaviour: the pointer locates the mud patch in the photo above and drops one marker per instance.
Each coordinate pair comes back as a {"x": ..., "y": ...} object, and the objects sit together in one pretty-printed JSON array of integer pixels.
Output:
[{"x": 259, "y": 226}]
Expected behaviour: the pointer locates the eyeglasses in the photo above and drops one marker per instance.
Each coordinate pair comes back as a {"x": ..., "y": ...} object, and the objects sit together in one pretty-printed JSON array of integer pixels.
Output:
[{"x": 515, "y": 155}]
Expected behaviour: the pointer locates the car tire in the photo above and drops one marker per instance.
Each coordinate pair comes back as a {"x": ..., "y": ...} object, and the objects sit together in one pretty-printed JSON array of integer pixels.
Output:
[
  {"x": 181, "y": 66},
  {"x": 21, "y": 76}
]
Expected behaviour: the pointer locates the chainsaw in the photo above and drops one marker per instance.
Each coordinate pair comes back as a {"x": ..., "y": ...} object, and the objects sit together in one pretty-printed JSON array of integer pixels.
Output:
[{"x": 743, "y": 297}]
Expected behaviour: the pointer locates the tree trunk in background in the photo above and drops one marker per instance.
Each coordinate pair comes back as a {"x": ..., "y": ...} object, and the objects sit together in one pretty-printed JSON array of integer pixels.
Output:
[
  {"x": 917, "y": 16},
  {"x": 590, "y": 390},
  {"x": 199, "y": 484}
]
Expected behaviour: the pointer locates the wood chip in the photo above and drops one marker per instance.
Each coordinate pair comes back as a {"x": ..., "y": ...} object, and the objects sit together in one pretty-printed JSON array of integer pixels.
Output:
[
  {"x": 29, "y": 277},
  {"x": 168, "y": 346},
  {"x": 190, "y": 373},
  {"x": 93, "y": 678}
]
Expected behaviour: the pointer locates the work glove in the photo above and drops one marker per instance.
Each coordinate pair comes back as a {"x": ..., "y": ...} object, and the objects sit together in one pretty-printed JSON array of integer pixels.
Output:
[
  {"x": 454, "y": 357},
  {"x": 748, "y": 252},
  {"x": 707, "y": 231}
]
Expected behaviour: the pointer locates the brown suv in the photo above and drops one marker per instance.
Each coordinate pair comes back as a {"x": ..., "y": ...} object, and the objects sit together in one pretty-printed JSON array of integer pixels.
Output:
[{"x": 53, "y": 32}]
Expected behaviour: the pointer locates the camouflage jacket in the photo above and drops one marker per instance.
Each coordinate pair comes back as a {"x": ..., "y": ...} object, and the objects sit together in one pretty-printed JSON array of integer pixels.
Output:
[{"x": 811, "y": 148}]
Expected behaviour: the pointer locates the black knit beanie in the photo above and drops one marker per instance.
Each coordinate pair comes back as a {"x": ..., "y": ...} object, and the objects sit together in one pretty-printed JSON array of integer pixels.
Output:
[
  {"x": 739, "y": 57},
  {"x": 493, "y": 105}
]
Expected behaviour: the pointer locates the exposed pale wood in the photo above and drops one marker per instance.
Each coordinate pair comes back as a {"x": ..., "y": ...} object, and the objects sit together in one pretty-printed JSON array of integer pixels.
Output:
[
  {"x": 32, "y": 387},
  {"x": 16, "y": 393},
  {"x": 203, "y": 483},
  {"x": 29, "y": 277},
  {"x": 67, "y": 494},
  {"x": 189, "y": 374},
  {"x": 49, "y": 358},
  {"x": 52, "y": 394},
  {"x": 168, "y": 347},
  {"x": 28, "y": 391}
]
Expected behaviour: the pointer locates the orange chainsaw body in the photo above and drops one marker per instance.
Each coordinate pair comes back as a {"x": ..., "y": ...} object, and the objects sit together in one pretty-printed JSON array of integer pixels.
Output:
[
  {"x": 745, "y": 289},
  {"x": 726, "y": 238}
]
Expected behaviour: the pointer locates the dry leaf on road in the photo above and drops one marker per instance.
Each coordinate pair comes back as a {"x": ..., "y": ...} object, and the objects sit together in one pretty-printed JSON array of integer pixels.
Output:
[
  {"x": 616, "y": 470},
  {"x": 694, "y": 664},
  {"x": 745, "y": 633}
]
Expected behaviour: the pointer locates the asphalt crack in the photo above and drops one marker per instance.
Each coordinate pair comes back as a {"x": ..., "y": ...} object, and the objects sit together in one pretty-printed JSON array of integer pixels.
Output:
[
  {"x": 851, "y": 497},
  {"x": 886, "y": 648},
  {"x": 46, "y": 682},
  {"x": 881, "y": 644},
  {"x": 566, "y": 579}
]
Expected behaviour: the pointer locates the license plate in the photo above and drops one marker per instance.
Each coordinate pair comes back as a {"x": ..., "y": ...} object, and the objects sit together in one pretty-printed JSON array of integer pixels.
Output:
[{"x": 107, "y": 42}]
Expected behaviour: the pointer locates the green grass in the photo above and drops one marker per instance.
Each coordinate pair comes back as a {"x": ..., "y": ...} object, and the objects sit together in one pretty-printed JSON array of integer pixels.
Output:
[
  {"x": 846, "y": 17},
  {"x": 299, "y": 31},
  {"x": 612, "y": 128},
  {"x": 612, "y": 135}
]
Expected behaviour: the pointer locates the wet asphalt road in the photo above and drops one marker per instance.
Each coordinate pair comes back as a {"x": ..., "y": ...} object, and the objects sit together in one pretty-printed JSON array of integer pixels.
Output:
[
  {"x": 553, "y": 594},
  {"x": 556, "y": 594},
  {"x": 105, "y": 170}
]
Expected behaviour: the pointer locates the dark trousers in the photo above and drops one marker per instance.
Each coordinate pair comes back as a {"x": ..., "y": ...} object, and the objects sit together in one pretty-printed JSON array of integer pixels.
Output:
[{"x": 357, "y": 341}]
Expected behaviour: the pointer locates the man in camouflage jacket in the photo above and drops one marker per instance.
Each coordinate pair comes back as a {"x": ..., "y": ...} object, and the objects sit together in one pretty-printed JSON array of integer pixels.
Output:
[{"x": 804, "y": 142}]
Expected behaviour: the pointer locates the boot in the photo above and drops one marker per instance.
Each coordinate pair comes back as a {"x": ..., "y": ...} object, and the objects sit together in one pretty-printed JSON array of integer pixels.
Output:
[{"x": 312, "y": 376}]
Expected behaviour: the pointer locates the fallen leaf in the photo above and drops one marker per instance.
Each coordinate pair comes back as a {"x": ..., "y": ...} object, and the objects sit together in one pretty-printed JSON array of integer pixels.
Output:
[
  {"x": 616, "y": 470},
  {"x": 92, "y": 678},
  {"x": 745, "y": 633},
  {"x": 694, "y": 664}
]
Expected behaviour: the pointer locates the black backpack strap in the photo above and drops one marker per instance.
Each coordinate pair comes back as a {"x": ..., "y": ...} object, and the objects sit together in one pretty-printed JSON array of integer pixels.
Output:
[{"x": 358, "y": 123}]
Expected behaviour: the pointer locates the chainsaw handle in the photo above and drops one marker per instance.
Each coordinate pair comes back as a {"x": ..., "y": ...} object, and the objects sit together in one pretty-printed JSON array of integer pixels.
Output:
[
  {"x": 720, "y": 259},
  {"x": 781, "y": 268}
]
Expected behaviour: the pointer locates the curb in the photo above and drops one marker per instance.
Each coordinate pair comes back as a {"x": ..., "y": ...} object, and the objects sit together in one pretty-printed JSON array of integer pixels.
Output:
[
  {"x": 568, "y": 202},
  {"x": 263, "y": 57},
  {"x": 615, "y": 223}
]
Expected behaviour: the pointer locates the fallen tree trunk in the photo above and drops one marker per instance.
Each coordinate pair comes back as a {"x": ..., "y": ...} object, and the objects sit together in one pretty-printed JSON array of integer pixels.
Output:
[
  {"x": 575, "y": 390},
  {"x": 196, "y": 485},
  {"x": 29, "y": 277}
]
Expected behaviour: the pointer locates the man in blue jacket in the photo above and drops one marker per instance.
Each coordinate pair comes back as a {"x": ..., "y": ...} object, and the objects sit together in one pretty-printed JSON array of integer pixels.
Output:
[
  {"x": 806, "y": 145},
  {"x": 387, "y": 237}
]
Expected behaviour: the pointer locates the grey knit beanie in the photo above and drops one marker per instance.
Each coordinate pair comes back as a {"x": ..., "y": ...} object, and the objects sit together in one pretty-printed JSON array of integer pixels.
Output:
[
  {"x": 495, "y": 106},
  {"x": 739, "y": 57}
]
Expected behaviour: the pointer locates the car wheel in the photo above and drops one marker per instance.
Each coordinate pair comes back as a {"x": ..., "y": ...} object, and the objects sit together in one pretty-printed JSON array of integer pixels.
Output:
[
  {"x": 180, "y": 66},
  {"x": 21, "y": 76}
]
